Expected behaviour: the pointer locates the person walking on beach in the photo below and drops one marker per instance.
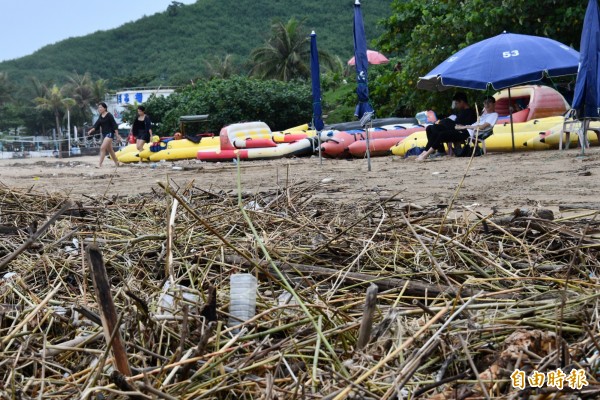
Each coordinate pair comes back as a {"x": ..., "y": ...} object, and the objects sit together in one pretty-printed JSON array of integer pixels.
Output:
[
  {"x": 110, "y": 130},
  {"x": 141, "y": 128}
]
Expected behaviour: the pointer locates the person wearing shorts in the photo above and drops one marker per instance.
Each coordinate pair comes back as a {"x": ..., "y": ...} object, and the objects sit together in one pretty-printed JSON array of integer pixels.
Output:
[
  {"x": 141, "y": 129},
  {"x": 110, "y": 130}
]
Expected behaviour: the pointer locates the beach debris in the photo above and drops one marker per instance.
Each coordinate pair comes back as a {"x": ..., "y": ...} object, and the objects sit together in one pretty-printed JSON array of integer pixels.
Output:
[{"x": 383, "y": 297}]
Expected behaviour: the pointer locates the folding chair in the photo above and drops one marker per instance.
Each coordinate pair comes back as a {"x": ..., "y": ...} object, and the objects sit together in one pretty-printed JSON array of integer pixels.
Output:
[
  {"x": 481, "y": 137},
  {"x": 578, "y": 126}
]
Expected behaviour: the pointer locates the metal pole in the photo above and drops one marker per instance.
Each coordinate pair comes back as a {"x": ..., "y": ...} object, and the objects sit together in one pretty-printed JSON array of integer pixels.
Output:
[
  {"x": 319, "y": 142},
  {"x": 368, "y": 128},
  {"x": 54, "y": 137},
  {"x": 512, "y": 130},
  {"x": 84, "y": 134},
  {"x": 69, "y": 130},
  {"x": 583, "y": 135}
]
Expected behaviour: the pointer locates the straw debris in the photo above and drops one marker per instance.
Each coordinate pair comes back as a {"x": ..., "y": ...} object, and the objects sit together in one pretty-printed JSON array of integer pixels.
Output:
[{"x": 459, "y": 300}]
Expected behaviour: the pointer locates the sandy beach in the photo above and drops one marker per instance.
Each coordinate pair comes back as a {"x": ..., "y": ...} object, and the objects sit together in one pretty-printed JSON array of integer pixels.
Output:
[
  {"x": 327, "y": 228},
  {"x": 502, "y": 180}
]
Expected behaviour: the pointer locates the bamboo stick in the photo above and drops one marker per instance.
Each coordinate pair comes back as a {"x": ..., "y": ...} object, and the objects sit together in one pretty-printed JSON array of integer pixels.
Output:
[
  {"x": 108, "y": 313},
  {"x": 367, "y": 319}
]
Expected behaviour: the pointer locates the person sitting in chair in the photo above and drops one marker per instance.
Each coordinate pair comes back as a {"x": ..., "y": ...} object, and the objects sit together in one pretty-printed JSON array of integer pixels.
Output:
[
  {"x": 444, "y": 131},
  {"x": 485, "y": 126}
]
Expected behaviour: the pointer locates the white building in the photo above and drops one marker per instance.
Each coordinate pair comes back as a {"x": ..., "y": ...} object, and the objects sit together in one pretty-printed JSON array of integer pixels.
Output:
[{"x": 118, "y": 102}]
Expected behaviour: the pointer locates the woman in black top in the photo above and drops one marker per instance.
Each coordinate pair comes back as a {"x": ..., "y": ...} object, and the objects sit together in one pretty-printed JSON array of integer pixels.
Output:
[
  {"x": 444, "y": 130},
  {"x": 141, "y": 128},
  {"x": 110, "y": 130}
]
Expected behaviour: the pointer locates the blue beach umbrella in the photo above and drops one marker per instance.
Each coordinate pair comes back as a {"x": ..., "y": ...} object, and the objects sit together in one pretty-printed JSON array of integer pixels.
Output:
[
  {"x": 502, "y": 61},
  {"x": 362, "y": 63},
  {"x": 315, "y": 76},
  {"x": 586, "y": 99}
]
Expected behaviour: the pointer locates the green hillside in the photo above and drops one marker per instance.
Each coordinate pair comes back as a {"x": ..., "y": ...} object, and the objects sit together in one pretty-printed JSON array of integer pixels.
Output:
[{"x": 171, "y": 47}]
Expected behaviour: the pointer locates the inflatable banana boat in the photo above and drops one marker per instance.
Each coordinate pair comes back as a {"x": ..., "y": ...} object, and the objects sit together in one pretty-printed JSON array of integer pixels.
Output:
[
  {"x": 169, "y": 149},
  {"x": 552, "y": 137},
  {"x": 255, "y": 141},
  {"x": 172, "y": 148},
  {"x": 342, "y": 144}
]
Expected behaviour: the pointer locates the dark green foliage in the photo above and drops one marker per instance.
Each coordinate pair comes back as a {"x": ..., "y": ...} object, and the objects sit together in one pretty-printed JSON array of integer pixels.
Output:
[
  {"x": 10, "y": 117},
  {"x": 422, "y": 34},
  {"x": 6, "y": 88},
  {"x": 339, "y": 103},
  {"x": 286, "y": 54},
  {"x": 341, "y": 99},
  {"x": 280, "y": 104},
  {"x": 170, "y": 48}
]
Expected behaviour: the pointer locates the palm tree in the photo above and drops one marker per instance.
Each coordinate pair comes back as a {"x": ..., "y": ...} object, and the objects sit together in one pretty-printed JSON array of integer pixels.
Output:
[
  {"x": 56, "y": 102},
  {"x": 40, "y": 89},
  {"x": 285, "y": 55},
  {"x": 80, "y": 89},
  {"x": 99, "y": 90},
  {"x": 220, "y": 68}
]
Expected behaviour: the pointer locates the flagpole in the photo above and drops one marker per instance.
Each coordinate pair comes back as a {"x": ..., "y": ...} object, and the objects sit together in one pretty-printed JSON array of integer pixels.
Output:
[
  {"x": 367, "y": 123},
  {"x": 510, "y": 115},
  {"x": 368, "y": 149},
  {"x": 69, "y": 130},
  {"x": 319, "y": 141}
]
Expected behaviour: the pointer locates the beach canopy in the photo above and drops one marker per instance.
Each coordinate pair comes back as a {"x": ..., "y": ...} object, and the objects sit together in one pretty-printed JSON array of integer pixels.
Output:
[
  {"x": 502, "y": 61},
  {"x": 586, "y": 99},
  {"x": 373, "y": 57}
]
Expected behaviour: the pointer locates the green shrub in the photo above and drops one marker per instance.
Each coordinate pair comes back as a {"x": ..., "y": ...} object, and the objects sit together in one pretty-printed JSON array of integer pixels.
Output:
[{"x": 279, "y": 104}]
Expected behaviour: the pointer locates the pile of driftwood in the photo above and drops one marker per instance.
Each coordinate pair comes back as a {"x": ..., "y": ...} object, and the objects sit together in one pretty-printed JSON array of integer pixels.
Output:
[{"x": 378, "y": 299}]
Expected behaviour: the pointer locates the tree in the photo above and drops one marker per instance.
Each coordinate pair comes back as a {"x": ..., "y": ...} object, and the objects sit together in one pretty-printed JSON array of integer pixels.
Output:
[
  {"x": 424, "y": 33},
  {"x": 222, "y": 68},
  {"x": 99, "y": 90},
  {"x": 226, "y": 101},
  {"x": 37, "y": 120},
  {"x": 286, "y": 54},
  {"x": 171, "y": 50},
  {"x": 40, "y": 89},
  {"x": 79, "y": 88},
  {"x": 9, "y": 116},
  {"x": 173, "y": 8},
  {"x": 5, "y": 89},
  {"x": 56, "y": 102}
]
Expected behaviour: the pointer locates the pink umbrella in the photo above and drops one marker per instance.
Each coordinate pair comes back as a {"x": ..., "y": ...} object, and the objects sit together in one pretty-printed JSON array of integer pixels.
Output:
[{"x": 374, "y": 57}]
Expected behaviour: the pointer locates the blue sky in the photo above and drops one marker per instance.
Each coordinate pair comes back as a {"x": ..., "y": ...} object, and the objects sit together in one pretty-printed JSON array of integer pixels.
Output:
[{"x": 28, "y": 25}]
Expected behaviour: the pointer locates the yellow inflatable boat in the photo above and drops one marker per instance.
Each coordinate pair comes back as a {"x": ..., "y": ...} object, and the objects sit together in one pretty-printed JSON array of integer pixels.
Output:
[
  {"x": 545, "y": 109},
  {"x": 171, "y": 149},
  {"x": 168, "y": 149},
  {"x": 501, "y": 140}
]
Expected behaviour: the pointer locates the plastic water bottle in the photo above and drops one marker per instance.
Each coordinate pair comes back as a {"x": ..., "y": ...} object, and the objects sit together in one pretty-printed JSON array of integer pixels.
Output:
[{"x": 242, "y": 305}]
